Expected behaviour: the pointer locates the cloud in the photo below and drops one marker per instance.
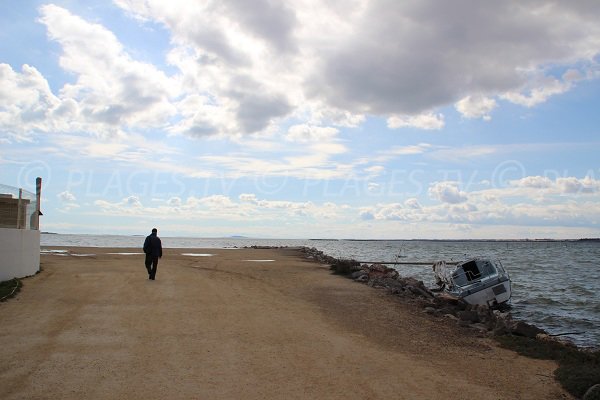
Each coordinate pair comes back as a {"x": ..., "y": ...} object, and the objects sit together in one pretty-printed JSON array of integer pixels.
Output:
[
  {"x": 174, "y": 202},
  {"x": 476, "y": 106},
  {"x": 304, "y": 133},
  {"x": 535, "y": 93},
  {"x": 248, "y": 197},
  {"x": 374, "y": 170},
  {"x": 397, "y": 151},
  {"x": 112, "y": 91},
  {"x": 515, "y": 205},
  {"x": 340, "y": 62},
  {"x": 560, "y": 186},
  {"x": 447, "y": 192},
  {"x": 413, "y": 203},
  {"x": 255, "y": 68},
  {"x": 398, "y": 59},
  {"x": 221, "y": 207},
  {"x": 539, "y": 182},
  {"x": 571, "y": 185},
  {"x": 373, "y": 187},
  {"x": 271, "y": 21},
  {"x": 26, "y": 102},
  {"x": 229, "y": 56},
  {"x": 428, "y": 121},
  {"x": 68, "y": 202},
  {"x": 67, "y": 197},
  {"x": 133, "y": 201}
]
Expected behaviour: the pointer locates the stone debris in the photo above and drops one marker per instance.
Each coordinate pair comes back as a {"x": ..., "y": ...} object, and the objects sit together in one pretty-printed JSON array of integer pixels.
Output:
[{"x": 479, "y": 318}]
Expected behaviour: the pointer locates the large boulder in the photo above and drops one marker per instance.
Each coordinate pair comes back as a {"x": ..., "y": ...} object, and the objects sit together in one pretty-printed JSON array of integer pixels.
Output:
[
  {"x": 521, "y": 328},
  {"x": 470, "y": 316}
]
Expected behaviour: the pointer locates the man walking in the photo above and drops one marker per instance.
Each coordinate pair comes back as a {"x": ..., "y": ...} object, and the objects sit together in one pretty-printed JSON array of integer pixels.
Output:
[{"x": 153, "y": 250}]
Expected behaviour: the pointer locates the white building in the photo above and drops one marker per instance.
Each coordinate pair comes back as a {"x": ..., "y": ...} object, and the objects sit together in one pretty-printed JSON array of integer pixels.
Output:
[{"x": 19, "y": 232}]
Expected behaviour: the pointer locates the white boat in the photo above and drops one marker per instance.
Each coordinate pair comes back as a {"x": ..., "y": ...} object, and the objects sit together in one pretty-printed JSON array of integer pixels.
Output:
[{"x": 477, "y": 281}]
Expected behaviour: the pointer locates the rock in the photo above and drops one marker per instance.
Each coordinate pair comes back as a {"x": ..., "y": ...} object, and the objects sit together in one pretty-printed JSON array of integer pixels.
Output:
[
  {"x": 419, "y": 291},
  {"x": 446, "y": 310},
  {"x": 592, "y": 393},
  {"x": 345, "y": 267},
  {"x": 463, "y": 323},
  {"x": 362, "y": 278},
  {"x": 483, "y": 312},
  {"x": 480, "y": 327},
  {"x": 392, "y": 274},
  {"x": 469, "y": 316},
  {"x": 429, "y": 310},
  {"x": 377, "y": 283},
  {"x": 500, "y": 331},
  {"x": 357, "y": 274},
  {"x": 521, "y": 328},
  {"x": 378, "y": 268}
]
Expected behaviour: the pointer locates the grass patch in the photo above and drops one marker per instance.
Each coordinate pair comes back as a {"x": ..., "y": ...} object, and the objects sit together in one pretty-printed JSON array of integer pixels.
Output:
[
  {"x": 9, "y": 288},
  {"x": 577, "y": 371}
]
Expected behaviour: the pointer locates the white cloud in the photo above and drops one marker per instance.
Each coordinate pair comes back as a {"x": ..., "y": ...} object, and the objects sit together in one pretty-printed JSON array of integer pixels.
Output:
[
  {"x": 412, "y": 203},
  {"x": 67, "y": 197},
  {"x": 539, "y": 182},
  {"x": 306, "y": 133},
  {"x": 428, "y": 121},
  {"x": 375, "y": 170},
  {"x": 132, "y": 201},
  {"x": 563, "y": 185},
  {"x": 373, "y": 187},
  {"x": 221, "y": 207},
  {"x": 251, "y": 69},
  {"x": 517, "y": 205},
  {"x": 572, "y": 185},
  {"x": 248, "y": 197},
  {"x": 447, "y": 192},
  {"x": 112, "y": 91},
  {"x": 68, "y": 202},
  {"x": 174, "y": 202},
  {"x": 398, "y": 151},
  {"x": 476, "y": 106},
  {"x": 531, "y": 96},
  {"x": 26, "y": 103}
]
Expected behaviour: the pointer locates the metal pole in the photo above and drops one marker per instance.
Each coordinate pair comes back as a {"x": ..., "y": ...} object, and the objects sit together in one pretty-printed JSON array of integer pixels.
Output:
[
  {"x": 38, "y": 199},
  {"x": 19, "y": 211},
  {"x": 404, "y": 262}
]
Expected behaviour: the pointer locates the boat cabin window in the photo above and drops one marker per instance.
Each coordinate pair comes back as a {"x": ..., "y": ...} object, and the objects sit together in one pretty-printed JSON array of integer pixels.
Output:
[
  {"x": 471, "y": 270},
  {"x": 486, "y": 268}
]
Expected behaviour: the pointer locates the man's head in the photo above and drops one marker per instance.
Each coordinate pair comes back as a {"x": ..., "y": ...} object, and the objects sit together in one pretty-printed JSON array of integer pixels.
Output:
[{"x": 154, "y": 230}]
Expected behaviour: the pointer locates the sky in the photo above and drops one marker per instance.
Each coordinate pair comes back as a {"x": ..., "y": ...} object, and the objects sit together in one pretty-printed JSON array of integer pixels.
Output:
[{"x": 376, "y": 119}]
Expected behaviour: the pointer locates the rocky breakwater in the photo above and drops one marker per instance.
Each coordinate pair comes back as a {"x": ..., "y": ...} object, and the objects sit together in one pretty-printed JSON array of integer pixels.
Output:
[{"x": 438, "y": 304}]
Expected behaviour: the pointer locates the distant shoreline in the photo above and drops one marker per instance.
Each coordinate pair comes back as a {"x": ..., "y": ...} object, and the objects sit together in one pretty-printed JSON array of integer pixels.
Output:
[{"x": 344, "y": 240}]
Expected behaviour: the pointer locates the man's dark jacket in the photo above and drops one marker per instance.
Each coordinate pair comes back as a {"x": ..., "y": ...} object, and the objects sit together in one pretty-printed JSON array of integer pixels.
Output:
[{"x": 152, "y": 246}]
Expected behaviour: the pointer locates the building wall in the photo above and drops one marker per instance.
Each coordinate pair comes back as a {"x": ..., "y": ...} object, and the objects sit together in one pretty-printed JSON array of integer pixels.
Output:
[{"x": 19, "y": 253}]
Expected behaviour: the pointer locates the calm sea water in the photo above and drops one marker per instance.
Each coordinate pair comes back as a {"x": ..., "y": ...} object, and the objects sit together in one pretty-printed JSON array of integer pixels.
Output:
[{"x": 555, "y": 284}]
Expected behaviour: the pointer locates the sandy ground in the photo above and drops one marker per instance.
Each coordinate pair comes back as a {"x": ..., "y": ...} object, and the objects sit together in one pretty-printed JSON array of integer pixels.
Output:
[{"x": 222, "y": 327}]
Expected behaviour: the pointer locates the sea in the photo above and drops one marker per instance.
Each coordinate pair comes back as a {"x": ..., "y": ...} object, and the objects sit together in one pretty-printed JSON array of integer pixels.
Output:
[{"x": 555, "y": 284}]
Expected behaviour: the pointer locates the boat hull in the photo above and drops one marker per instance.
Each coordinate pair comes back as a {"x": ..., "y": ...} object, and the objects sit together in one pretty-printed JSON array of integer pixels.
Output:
[{"x": 492, "y": 295}]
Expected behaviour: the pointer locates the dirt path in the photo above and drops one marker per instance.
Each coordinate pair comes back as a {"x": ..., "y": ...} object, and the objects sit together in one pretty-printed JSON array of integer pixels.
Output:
[{"x": 221, "y": 327}]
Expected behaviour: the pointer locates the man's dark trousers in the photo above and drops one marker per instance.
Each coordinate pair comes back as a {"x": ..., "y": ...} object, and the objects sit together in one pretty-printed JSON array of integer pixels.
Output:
[{"x": 151, "y": 265}]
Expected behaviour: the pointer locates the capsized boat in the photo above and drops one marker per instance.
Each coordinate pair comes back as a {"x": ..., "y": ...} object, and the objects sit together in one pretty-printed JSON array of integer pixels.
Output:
[{"x": 477, "y": 281}]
